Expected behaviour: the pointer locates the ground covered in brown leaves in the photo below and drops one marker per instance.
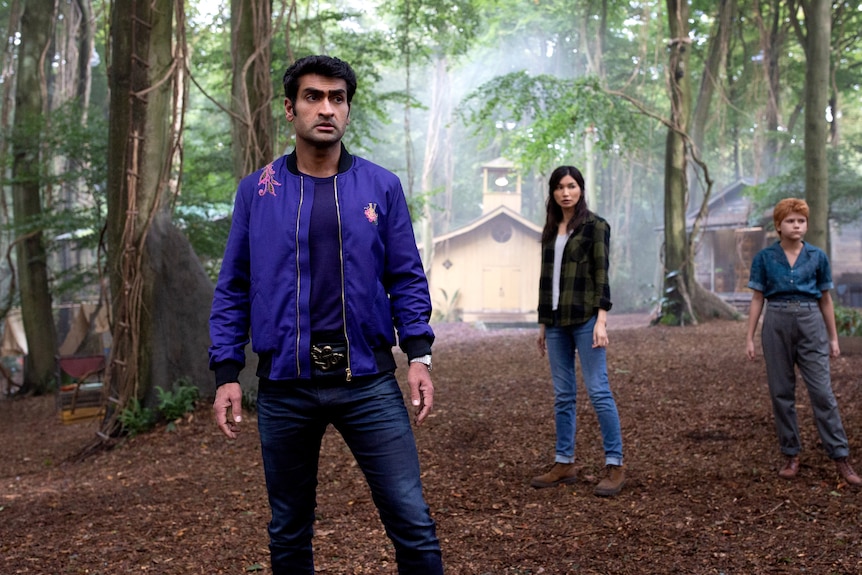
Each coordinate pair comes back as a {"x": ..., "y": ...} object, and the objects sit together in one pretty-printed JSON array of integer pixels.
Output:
[{"x": 702, "y": 495}]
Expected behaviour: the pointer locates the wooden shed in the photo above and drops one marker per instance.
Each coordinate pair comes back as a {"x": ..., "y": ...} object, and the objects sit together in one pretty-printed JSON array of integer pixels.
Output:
[
  {"x": 488, "y": 269},
  {"x": 732, "y": 235}
]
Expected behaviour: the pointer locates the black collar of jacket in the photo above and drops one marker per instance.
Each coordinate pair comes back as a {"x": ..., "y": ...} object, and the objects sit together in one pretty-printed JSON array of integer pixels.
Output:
[{"x": 344, "y": 162}]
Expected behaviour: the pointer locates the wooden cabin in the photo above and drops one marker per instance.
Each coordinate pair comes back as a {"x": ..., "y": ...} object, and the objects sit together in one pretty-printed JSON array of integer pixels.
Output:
[
  {"x": 732, "y": 234},
  {"x": 488, "y": 270}
]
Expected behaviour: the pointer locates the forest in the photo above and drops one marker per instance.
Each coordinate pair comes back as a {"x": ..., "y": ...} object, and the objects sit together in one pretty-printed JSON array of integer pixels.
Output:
[{"x": 127, "y": 124}]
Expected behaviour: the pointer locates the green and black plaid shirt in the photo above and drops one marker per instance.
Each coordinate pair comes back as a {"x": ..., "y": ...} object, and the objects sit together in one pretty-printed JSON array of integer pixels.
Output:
[{"x": 584, "y": 286}]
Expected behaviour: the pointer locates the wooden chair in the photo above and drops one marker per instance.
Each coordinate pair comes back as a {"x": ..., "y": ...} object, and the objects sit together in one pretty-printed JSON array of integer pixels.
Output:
[{"x": 79, "y": 378}]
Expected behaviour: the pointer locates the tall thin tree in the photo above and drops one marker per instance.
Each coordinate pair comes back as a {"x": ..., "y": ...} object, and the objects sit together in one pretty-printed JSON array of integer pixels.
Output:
[
  {"x": 28, "y": 168},
  {"x": 816, "y": 41},
  {"x": 251, "y": 88}
]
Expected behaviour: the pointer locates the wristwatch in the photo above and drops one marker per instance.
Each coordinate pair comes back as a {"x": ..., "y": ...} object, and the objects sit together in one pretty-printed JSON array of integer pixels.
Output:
[{"x": 426, "y": 359}]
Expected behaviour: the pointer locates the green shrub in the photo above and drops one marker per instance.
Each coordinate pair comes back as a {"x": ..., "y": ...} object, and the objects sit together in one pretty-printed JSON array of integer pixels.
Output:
[
  {"x": 136, "y": 419},
  {"x": 848, "y": 321},
  {"x": 175, "y": 404}
]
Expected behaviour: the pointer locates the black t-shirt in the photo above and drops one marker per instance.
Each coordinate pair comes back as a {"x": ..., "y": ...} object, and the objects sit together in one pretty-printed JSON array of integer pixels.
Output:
[{"x": 327, "y": 325}]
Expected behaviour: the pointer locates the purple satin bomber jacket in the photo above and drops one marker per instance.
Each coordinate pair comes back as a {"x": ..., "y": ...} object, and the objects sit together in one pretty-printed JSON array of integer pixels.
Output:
[{"x": 263, "y": 287}]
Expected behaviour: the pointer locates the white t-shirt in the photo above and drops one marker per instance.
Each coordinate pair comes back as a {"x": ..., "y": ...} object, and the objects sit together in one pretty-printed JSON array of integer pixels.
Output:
[{"x": 559, "y": 245}]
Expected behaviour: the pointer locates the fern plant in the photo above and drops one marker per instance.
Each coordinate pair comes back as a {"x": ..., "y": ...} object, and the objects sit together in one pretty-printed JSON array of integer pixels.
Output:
[
  {"x": 136, "y": 418},
  {"x": 175, "y": 404}
]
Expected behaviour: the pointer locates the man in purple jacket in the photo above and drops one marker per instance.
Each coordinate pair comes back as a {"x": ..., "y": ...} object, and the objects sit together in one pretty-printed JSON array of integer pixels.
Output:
[{"x": 321, "y": 268}]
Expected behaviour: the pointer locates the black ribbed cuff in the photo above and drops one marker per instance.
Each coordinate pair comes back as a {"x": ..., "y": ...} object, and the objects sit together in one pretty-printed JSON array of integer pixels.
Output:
[
  {"x": 417, "y": 347},
  {"x": 226, "y": 372}
]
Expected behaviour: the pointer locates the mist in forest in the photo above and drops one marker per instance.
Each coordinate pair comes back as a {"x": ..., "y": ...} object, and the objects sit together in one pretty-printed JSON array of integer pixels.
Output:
[{"x": 629, "y": 196}]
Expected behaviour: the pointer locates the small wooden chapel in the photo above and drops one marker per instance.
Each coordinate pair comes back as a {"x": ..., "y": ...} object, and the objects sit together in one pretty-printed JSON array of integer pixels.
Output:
[{"x": 488, "y": 270}]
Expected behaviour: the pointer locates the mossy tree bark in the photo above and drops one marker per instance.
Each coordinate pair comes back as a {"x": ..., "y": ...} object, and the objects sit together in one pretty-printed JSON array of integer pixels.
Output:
[
  {"x": 687, "y": 300},
  {"x": 251, "y": 88},
  {"x": 28, "y": 167},
  {"x": 818, "y": 14},
  {"x": 160, "y": 293}
]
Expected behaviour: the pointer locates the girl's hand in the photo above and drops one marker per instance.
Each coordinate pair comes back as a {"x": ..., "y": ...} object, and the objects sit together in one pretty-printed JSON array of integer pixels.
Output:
[
  {"x": 600, "y": 335},
  {"x": 540, "y": 341}
]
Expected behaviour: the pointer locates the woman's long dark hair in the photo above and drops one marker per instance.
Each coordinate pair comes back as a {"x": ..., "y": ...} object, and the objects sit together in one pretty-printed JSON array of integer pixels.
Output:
[{"x": 555, "y": 212}]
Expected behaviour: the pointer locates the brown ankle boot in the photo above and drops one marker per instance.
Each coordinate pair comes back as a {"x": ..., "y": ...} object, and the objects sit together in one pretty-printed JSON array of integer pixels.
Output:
[
  {"x": 558, "y": 474},
  {"x": 847, "y": 473},
  {"x": 615, "y": 478},
  {"x": 790, "y": 467}
]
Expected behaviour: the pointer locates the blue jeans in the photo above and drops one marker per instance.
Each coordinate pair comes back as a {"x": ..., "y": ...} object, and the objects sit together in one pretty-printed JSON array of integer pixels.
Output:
[
  {"x": 370, "y": 414},
  {"x": 562, "y": 343}
]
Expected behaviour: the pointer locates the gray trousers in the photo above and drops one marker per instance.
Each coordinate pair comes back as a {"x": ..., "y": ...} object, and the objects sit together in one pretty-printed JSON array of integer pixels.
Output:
[{"x": 794, "y": 334}]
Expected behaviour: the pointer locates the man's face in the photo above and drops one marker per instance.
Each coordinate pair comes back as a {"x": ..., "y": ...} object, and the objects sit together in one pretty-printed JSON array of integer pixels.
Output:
[{"x": 321, "y": 113}]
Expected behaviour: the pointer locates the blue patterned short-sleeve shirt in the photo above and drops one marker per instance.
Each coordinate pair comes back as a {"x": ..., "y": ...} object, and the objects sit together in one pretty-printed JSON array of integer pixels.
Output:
[{"x": 808, "y": 278}]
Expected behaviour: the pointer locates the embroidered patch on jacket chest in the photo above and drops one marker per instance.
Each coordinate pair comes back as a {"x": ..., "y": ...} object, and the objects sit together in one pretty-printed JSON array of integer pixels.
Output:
[
  {"x": 267, "y": 181},
  {"x": 371, "y": 213}
]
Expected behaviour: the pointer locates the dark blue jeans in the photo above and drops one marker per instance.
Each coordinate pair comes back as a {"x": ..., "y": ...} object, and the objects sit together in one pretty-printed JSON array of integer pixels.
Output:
[{"x": 370, "y": 414}]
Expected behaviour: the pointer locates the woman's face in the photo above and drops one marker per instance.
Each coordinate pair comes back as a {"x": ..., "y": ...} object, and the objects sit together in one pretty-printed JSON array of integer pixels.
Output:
[{"x": 567, "y": 193}]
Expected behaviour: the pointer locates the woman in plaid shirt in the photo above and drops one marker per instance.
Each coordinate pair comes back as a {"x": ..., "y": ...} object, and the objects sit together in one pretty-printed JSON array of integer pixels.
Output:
[{"x": 574, "y": 300}]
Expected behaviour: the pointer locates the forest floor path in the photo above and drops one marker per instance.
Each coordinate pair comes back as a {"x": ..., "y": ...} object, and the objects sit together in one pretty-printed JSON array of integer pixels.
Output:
[{"x": 702, "y": 495}]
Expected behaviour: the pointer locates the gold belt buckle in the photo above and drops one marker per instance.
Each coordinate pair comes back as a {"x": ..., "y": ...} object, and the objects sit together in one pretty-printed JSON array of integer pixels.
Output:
[{"x": 325, "y": 358}]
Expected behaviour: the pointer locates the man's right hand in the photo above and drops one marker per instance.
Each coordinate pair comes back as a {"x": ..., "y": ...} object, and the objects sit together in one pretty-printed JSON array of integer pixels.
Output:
[{"x": 227, "y": 408}]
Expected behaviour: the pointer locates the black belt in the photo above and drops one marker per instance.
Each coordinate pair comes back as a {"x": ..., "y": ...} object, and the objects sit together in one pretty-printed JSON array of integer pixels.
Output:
[{"x": 328, "y": 359}]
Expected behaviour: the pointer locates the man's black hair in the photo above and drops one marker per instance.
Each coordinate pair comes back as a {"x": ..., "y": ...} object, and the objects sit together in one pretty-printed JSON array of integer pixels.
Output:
[{"x": 326, "y": 66}]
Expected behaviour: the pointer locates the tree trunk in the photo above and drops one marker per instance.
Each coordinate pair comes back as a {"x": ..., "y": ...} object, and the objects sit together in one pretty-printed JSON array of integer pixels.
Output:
[
  {"x": 772, "y": 37},
  {"x": 251, "y": 88},
  {"x": 27, "y": 169},
  {"x": 7, "y": 85},
  {"x": 710, "y": 84},
  {"x": 687, "y": 301},
  {"x": 676, "y": 262},
  {"x": 438, "y": 115},
  {"x": 159, "y": 299},
  {"x": 408, "y": 137},
  {"x": 817, "y": 51},
  {"x": 594, "y": 51},
  {"x": 86, "y": 43}
]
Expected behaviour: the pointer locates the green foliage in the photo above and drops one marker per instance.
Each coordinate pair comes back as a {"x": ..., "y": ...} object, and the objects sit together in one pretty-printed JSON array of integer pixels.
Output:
[
  {"x": 175, "y": 404},
  {"x": 432, "y": 26},
  {"x": 417, "y": 202},
  {"x": 73, "y": 173},
  {"x": 450, "y": 311},
  {"x": 206, "y": 225},
  {"x": 549, "y": 116},
  {"x": 136, "y": 419},
  {"x": 848, "y": 321},
  {"x": 845, "y": 189},
  {"x": 73, "y": 153}
]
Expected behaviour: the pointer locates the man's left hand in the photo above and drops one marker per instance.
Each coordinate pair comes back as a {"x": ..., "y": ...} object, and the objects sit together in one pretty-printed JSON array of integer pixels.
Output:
[{"x": 421, "y": 391}]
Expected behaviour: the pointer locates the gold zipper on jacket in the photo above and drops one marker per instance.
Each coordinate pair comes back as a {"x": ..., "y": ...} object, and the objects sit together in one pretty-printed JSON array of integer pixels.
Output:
[{"x": 348, "y": 373}]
